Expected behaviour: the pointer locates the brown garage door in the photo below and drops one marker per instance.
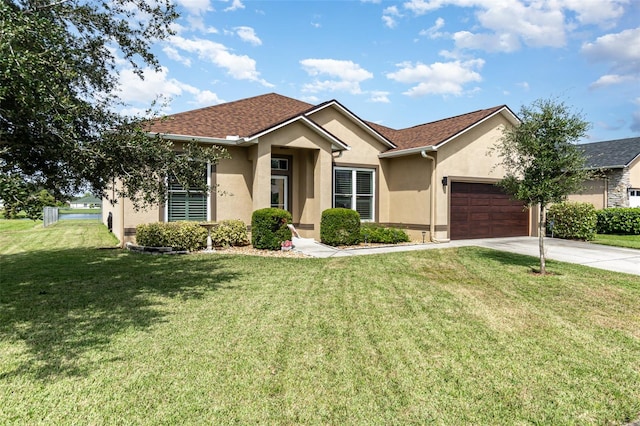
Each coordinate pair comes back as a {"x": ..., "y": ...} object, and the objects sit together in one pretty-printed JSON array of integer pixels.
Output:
[{"x": 480, "y": 210}]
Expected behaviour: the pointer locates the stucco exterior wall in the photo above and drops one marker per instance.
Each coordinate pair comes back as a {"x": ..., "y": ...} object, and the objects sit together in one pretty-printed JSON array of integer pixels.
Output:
[
  {"x": 364, "y": 152},
  {"x": 409, "y": 193},
  {"x": 594, "y": 192},
  {"x": 467, "y": 158},
  {"x": 634, "y": 173},
  {"x": 234, "y": 179}
]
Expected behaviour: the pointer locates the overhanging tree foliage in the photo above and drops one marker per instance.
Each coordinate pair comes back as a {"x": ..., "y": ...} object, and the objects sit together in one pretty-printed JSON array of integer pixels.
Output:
[
  {"x": 58, "y": 85},
  {"x": 542, "y": 163}
]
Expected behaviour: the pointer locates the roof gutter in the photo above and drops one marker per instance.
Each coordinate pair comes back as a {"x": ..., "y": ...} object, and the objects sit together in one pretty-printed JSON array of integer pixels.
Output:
[
  {"x": 229, "y": 140},
  {"x": 421, "y": 150}
]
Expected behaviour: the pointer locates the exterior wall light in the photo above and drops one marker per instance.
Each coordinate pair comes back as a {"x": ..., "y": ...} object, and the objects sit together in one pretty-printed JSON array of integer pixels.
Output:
[{"x": 445, "y": 181}]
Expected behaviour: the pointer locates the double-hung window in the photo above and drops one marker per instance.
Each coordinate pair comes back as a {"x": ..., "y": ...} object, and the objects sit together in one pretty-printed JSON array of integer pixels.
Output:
[
  {"x": 354, "y": 189},
  {"x": 183, "y": 204}
]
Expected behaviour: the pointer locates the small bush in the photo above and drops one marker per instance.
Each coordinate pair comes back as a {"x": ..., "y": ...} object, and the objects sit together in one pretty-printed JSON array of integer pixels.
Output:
[
  {"x": 575, "y": 221},
  {"x": 230, "y": 233},
  {"x": 619, "y": 220},
  {"x": 375, "y": 233},
  {"x": 269, "y": 228},
  {"x": 178, "y": 235},
  {"x": 340, "y": 226}
]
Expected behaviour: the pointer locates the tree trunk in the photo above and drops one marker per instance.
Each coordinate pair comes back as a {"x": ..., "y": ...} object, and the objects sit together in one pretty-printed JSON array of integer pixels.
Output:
[{"x": 541, "y": 233}]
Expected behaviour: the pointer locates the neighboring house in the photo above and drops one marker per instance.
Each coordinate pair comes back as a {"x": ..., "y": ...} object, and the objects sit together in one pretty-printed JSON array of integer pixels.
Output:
[
  {"x": 617, "y": 167},
  {"x": 435, "y": 180},
  {"x": 86, "y": 202}
]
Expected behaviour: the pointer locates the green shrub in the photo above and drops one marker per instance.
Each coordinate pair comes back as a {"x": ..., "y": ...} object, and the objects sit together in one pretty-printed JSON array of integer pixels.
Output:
[
  {"x": 619, "y": 220},
  {"x": 178, "y": 235},
  {"x": 340, "y": 226},
  {"x": 575, "y": 221},
  {"x": 269, "y": 228},
  {"x": 230, "y": 233},
  {"x": 375, "y": 233}
]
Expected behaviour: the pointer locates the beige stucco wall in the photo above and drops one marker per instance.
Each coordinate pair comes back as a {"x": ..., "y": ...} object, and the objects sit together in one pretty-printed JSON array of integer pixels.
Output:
[
  {"x": 126, "y": 218},
  {"x": 363, "y": 152},
  {"x": 409, "y": 193},
  {"x": 231, "y": 198},
  {"x": 594, "y": 192},
  {"x": 467, "y": 158},
  {"x": 634, "y": 173}
]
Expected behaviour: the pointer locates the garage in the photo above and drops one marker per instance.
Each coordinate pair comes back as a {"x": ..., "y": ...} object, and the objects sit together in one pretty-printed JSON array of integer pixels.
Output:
[{"x": 480, "y": 210}]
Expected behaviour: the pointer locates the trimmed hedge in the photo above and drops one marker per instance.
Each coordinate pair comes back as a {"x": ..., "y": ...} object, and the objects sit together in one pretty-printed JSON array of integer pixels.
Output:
[
  {"x": 619, "y": 220},
  {"x": 269, "y": 228},
  {"x": 340, "y": 226},
  {"x": 574, "y": 221},
  {"x": 376, "y": 233},
  {"x": 178, "y": 235},
  {"x": 230, "y": 233}
]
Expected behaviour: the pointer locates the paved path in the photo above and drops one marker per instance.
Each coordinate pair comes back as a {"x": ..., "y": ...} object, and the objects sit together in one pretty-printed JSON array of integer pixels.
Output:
[{"x": 588, "y": 254}]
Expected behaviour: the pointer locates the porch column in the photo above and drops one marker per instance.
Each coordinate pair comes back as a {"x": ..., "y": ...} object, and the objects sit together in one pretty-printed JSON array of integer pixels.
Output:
[
  {"x": 262, "y": 177},
  {"x": 323, "y": 181}
]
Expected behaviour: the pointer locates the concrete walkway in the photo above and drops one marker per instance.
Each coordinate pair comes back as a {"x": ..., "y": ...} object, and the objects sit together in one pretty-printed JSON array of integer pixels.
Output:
[{"x": 595, "y": 255}]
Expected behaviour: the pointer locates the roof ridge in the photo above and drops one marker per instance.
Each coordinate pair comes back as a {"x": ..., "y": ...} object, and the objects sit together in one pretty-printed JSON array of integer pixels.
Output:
[{"x": 495, "y": 108}]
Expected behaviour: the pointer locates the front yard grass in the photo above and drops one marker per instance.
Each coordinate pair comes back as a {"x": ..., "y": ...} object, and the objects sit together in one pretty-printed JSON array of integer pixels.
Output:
[
  {"x": 629, "y": 241},
  {"x": 452, "y": 336}
]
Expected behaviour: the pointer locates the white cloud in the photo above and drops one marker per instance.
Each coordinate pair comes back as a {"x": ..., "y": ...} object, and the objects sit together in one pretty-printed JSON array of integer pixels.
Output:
[
  {"x": 235, "y": 5},
  {"x": 205, "y": 98},
  {"x": 154, "y": 85},
  {"x": 489, "y": 42},
  {"x": 344, "y": 75},
  {"x": 434, "y": 31},
  {"x": 622, "y": 52},
  {"x": 448, "y": 78},
  {"x": 611, "y": 79},
  {"x": 388, "y": 16},
  {"x": 157, "y": 86},
  {"x": 240, "y": 67},
  {"x": 524, "y": 85},
  {"x": 248, "y": 34},
  {"x": 420, "y": 7},
  {"x": 175, "y": 55},
  {"x": 379, "y": 97},
  {"x": 599, "y": 12},
  {"x": 505, "y": 25},
  {"x": 622, "y": 49},
  {"x": 389, "y": 22},
  {"x": 196, "y": 7}
]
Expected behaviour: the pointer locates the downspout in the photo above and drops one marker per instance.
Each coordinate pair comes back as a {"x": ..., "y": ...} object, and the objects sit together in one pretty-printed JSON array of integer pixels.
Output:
[{"x": 432, "y": 196}]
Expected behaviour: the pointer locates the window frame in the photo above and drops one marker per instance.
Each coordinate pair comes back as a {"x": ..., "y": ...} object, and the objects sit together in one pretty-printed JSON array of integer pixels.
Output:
[
  {"x": 182, "y": 190},
  {"x": 354, "y": 194}
]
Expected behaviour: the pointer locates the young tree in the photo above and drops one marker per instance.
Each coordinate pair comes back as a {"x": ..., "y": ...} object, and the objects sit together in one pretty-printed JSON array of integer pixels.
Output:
[
  {"x": 58, "y": 83},
  {"x": 542, "y": 163}
]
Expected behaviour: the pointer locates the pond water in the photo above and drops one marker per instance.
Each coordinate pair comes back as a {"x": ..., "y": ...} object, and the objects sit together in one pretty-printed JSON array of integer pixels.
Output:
[{"x": 80, "y": 216}]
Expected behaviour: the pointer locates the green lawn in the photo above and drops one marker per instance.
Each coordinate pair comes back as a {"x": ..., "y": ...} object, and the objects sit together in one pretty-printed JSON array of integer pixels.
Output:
[
  {"x": 452, "y": 336},
  {"x": 630, "y": 241}
]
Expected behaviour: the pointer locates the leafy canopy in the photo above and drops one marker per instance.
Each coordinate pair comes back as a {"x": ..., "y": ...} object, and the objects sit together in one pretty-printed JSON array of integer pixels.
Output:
[
  {"x": 542, "y": 162},
  {"x": 59, "y": 127}
]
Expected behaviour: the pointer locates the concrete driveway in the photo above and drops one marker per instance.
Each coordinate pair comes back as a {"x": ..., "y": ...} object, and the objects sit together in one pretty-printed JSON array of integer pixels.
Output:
[
  {"x": 595, "y": 255},
  {"x": 588, "y": 254}
]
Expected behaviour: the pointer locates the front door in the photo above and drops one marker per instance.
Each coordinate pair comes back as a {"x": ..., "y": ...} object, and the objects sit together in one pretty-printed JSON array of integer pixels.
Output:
[
  {"x": 280, "y": 191},
  {"x": 634, "y": 198}
]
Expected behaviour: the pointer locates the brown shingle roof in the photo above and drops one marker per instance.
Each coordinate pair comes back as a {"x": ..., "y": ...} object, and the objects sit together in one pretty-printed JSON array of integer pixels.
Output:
[
  {"x": 248, "y": 117},
  {"x": 242, "y": 118},
  {"x": 435, "y": 132}
]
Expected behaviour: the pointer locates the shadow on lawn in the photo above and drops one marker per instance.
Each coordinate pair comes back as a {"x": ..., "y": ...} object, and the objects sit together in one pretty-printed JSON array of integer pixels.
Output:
[
  {"x": 62, "y": 304},
  {"x": 506, "y": 258}
]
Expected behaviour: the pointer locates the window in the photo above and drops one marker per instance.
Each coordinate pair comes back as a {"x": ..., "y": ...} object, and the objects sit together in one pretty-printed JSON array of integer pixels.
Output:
[
  {"x": 186, "y": 205},
  {"x": 354, "y": 189},
  {"x": 280, "y": 182}
]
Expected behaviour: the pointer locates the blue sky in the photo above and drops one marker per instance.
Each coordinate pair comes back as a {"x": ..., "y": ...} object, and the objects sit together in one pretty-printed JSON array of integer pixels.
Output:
[{"x": 403, "y": 63}]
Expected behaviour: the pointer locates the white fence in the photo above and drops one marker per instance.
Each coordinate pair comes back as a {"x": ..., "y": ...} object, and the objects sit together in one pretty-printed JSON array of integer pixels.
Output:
[{"x": 50, "y": 215}]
